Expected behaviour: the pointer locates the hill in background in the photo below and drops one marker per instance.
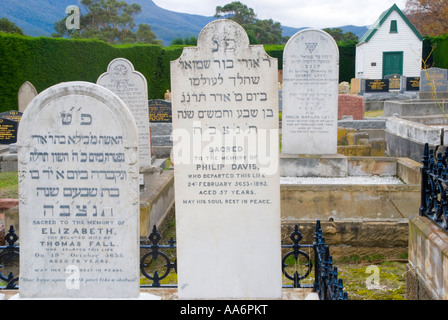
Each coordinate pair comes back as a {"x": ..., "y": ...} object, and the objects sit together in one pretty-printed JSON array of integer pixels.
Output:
[{"x": 37, "y": 18}]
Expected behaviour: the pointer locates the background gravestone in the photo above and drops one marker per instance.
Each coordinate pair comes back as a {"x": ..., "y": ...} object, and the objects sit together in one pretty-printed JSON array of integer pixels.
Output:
[
  {"x": 310, "y": 93},
  {"x": 8, "y": 131},
  {"x": 9, "y": 124},
  {"x": 160, "y": 118},
  {"x": 79, "y": 195},
  {"x": 27, "y": 92},
  {"x": 434, "y": 78},
  {"x": 394, "y": 81},
  {"x": 132, "y": 88},
  {"x": 376, "y": 85},
  {"x": 225, "y": 153}
]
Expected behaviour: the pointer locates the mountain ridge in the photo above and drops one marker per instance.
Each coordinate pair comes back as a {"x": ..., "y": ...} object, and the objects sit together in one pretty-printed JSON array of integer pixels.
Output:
[{"x": 37, "y": 18}]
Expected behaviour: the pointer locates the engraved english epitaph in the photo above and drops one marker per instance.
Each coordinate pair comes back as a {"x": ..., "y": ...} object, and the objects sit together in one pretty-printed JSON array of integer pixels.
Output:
[
  {"x": 78, "y": 195},
  {"x": 225, "y": 154}
]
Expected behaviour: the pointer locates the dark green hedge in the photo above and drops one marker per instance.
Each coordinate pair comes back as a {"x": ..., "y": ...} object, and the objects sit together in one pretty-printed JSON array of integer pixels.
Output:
[
  {"x": 439, "y": 56},
  {"x": 48, "y": 61},
  {"x": 347, "y": 52}
]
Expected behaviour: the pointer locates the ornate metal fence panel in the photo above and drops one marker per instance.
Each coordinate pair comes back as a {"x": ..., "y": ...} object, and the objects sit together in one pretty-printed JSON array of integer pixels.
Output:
[
  {"x": 434, "y": 188},
  {"x": 156, "y": 264},
  {"x": 10, "y": 255}
]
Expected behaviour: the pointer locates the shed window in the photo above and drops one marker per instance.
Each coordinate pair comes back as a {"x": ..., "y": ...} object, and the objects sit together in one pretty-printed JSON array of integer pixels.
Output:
[{"x": 393, "y": 26}]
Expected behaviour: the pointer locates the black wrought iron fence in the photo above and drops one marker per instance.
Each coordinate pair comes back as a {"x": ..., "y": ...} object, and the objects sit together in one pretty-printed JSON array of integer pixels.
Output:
[
  {"x": 156, "y": 264},
  {"x": 434, "y": 188}
]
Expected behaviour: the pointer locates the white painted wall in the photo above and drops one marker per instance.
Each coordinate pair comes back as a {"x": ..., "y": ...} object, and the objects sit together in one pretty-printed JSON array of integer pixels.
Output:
[{"x": 384, "y": 41}]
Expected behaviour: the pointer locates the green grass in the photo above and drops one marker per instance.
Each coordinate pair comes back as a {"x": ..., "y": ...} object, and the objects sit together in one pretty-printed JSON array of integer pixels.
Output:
[
  {"x": 9, "y": 184},
  {"x": 374, "y": 114},
  {"x": 387, "y": 277}
]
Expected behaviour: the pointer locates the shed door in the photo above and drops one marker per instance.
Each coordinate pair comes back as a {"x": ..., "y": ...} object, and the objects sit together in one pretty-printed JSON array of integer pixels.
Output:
[{"x": 392, "y": 63}]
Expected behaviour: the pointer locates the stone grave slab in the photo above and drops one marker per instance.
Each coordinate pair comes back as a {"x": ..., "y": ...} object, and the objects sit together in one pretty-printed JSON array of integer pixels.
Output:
[
  {"x": 8, "y": 131},
  {"x": 225, "y": 154},
  {"x": 310, "y": 93},
  {"x": 78, "y": 195},
  {"x": 131, "y": 86},
  {"x": 394, "y": 81},
  {"x": 434, "y": 79},
  {"x": 26, "y": 93},
  {"x": 410, "y": 84},
  {"x": 160, "y": 118}
]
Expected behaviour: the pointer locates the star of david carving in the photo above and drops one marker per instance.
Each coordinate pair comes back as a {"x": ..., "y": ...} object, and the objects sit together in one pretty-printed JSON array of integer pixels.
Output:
[{"x": 311, "y": 46}]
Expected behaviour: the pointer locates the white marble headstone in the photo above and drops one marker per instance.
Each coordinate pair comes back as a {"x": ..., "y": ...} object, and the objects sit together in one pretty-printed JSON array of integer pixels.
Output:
[
  {"x": 27, "y": 92},
  {"x": 79, "y": 195},
  {"x": 131, "y": 87},
  {"x": 226, "y": 149},
  {"x": 310, "y": 93}
]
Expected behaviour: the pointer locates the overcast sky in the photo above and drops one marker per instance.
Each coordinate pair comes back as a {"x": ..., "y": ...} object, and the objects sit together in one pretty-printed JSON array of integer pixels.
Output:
[{"x": 296, "y": 13}]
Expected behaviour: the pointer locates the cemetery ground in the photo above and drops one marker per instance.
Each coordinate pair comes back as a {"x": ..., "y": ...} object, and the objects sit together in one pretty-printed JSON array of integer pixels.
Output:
[{"x": 352, "y": 269}]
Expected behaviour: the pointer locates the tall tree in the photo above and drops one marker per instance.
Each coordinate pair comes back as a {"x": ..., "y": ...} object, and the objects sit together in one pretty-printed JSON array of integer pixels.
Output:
[
  {"x": 259, "y": 31},
  {"x": 9, "y": 27},
  {"x": 339, "y": 35},
  {"x": 430, "y": 17},
  {"x": 236, "y": 11},
  {"x": 108, "y": 20}
]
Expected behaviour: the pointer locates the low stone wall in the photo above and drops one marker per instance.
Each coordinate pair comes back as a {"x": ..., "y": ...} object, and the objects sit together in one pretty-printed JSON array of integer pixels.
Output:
[
  {"x": 406, "y": 137},
  {"x": 411, "y": 108},
  {"x": 349, "y": 202},
  {"x": 426, "y": 276},
  {"x": 362, "y": 238},
  {"x": 156, "y": 201}
]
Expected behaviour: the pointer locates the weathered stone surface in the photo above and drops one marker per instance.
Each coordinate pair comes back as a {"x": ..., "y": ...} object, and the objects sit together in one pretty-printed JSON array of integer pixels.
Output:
[
  {"x": 27, "y": 92},
  {"x": 434, "y": 79},
  {"x": 349, "y": 201},
  {"x": 313, "y": 165},
  {"x": 79, "y": 195},
  {"x": 350, "y": 105},
  {"x": 428, "y": 257},
  {"x": 225, "y": 135},
  {"x": 131, "y": 86},
  {"x": 310, "y": 93}
]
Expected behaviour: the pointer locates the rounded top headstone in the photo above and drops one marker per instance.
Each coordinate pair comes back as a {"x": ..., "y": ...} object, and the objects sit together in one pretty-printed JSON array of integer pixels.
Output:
[
  {"x": 224, "y": 35},
  {"x": 311, "y": 41},
  {"x": 79, "y": 88}
]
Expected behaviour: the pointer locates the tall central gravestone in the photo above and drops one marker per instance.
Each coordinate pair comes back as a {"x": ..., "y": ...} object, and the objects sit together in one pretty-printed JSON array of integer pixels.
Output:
[
  {"x": 131, "y": 86},
  {"x": 225, "y": 153},
  {"x": 79, "y": 195},
  {"x": 310, "y": 94}
]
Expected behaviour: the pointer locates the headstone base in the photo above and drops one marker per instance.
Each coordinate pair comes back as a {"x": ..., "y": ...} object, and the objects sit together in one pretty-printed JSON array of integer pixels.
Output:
[
  {"x": 429, "y": 95},
  {"x": 332, "y": 165},
  {"x": 412, "y": 108}
]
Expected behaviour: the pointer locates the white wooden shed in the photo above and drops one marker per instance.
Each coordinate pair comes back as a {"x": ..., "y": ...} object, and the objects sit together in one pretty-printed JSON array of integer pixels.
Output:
[{"x": 392, "y": 45}]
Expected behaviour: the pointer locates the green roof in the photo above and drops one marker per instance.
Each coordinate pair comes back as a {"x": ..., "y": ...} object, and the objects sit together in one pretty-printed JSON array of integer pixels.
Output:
[{"x": 369, "y": 34}]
